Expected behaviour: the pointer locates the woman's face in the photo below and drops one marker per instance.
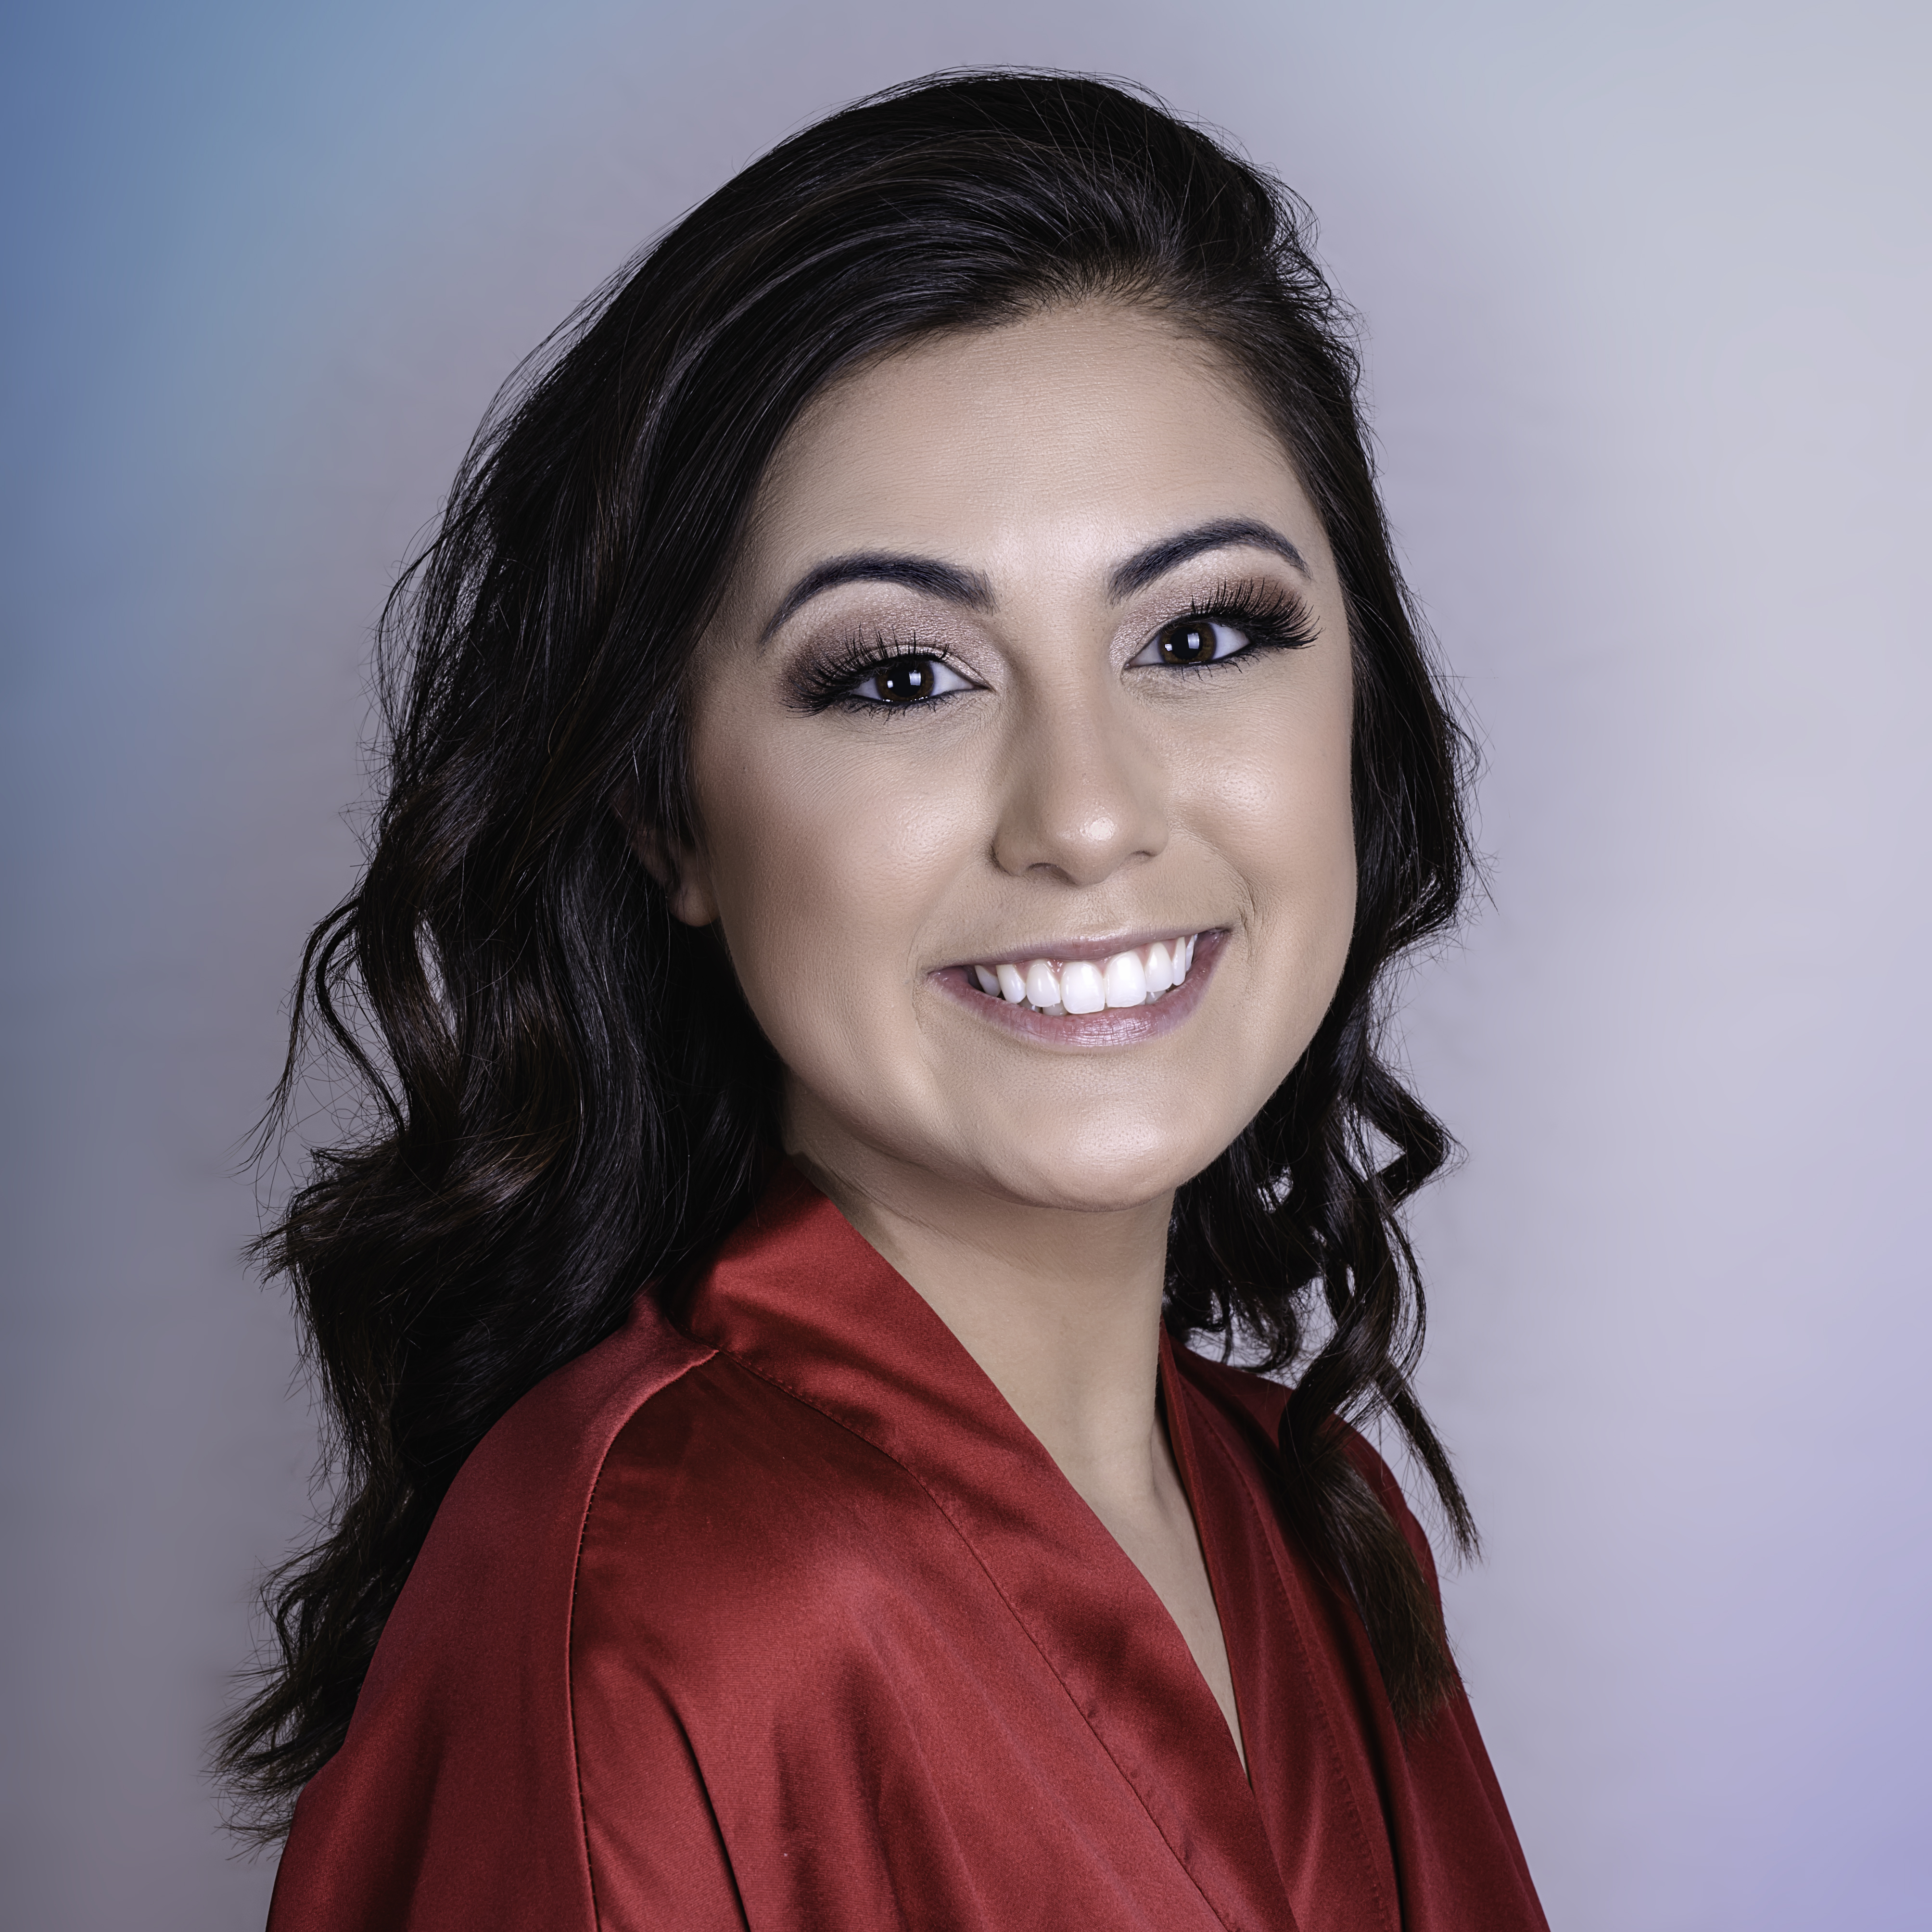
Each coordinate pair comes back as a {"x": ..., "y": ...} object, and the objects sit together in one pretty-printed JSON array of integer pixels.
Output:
[{"x": 1035, "y": 662}]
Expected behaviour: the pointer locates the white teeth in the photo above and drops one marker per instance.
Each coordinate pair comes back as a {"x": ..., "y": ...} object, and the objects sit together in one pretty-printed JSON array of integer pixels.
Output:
[
  {"x": 1125, "y": 980},
  {"x": 1081, "y": 989},
  {"x": 1042, "y": 987},
  {"x": 1130, "y": 979}
]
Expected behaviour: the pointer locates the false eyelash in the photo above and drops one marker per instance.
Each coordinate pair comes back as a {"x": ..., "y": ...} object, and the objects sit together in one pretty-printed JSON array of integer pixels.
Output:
[
  {"x": 1271, "y": 616},
  {"x": 831, "y": 679}
]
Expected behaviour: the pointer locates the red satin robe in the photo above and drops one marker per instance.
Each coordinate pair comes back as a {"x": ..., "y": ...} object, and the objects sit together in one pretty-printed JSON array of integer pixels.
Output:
[{"x": 784, "y": 1619}]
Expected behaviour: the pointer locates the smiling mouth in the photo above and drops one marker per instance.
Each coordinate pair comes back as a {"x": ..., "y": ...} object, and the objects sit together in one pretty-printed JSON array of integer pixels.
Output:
[{"x": 1141, "y": 975}]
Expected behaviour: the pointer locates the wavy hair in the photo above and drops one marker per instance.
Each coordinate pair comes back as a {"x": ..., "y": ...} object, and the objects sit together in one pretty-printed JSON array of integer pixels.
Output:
[{"x": 567, "y": 1097}]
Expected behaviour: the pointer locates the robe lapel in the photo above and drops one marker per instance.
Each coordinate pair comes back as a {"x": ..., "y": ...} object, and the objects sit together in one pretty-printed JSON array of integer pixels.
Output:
[
  {"x": 1314, "y": 1783},
  {"x": 802, "y": 1299}
]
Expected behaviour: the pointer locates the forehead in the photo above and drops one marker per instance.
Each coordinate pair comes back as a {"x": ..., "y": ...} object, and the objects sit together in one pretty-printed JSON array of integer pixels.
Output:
[{"x": 1064, "y": 440}]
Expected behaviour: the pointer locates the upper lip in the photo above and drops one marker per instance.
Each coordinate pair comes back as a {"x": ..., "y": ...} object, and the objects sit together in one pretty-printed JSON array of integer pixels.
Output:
[{"x": 1064, "y": 949}]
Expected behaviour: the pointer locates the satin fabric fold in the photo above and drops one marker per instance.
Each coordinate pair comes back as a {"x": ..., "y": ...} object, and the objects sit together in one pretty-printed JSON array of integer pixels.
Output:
[{"x": 781, "y": 1618}]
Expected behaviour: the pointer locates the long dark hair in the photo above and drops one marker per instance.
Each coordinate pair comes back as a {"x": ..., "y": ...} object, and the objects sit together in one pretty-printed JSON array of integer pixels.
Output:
[{"x": 567, "y": 1099}]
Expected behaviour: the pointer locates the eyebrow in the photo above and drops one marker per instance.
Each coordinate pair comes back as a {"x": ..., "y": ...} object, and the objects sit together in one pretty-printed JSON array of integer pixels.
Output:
[
  {"x": 1170, "y": 553},
  {"x": 946, "y": 581},
  {"x": 970, "y": 589}
]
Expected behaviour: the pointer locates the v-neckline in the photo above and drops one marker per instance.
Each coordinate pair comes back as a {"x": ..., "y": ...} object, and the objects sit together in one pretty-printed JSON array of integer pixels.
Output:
[{"x": 802, "y": 1300}]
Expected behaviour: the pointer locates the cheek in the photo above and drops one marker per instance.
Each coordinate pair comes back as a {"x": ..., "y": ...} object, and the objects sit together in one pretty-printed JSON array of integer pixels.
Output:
[
  {"x": 774, "y": 852},
  {"x": 1281, "y": 798},
  {"x": 823, "y": 868}
]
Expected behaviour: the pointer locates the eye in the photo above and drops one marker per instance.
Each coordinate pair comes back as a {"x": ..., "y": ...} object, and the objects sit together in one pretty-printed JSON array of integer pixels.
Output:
[
  {"x": 1193, "y": 640},
  {"x": 910, "y": 680}
]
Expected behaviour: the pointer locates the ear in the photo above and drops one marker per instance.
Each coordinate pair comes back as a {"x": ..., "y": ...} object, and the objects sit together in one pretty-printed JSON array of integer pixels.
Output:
[{"x": 680, "y": 869}]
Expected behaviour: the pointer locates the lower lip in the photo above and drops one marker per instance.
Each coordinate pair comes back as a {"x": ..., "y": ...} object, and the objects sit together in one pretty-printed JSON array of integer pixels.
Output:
[{"x": 1113, "y": 1026}]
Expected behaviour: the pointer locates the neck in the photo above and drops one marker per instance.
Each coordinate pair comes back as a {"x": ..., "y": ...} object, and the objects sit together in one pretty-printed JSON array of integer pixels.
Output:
[{"x": 1060, "y": 1307}]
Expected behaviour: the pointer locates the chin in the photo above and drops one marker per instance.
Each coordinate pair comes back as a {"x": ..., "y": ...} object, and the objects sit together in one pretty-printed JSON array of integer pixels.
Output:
[{"x": 1104, "y": 1181}]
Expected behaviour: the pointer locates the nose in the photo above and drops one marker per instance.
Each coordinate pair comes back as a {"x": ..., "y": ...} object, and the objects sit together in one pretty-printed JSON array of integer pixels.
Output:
[{"x": 1083, "y": 791}]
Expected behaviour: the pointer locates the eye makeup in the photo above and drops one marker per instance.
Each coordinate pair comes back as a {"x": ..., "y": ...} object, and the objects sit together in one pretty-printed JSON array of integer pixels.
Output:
[
  {"x": 1269, "y": 617},
  {"x": 832, "y": 680},
  {"x": 907, "y": 675}
]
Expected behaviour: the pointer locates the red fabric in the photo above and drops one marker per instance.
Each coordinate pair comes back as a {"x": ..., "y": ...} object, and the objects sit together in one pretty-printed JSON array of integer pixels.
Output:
[{"x": 786, "y": 1621}]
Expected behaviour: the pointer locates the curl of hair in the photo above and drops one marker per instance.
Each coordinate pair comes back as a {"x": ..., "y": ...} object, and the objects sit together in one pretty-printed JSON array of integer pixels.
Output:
[{"x": 569, "y": 1097}]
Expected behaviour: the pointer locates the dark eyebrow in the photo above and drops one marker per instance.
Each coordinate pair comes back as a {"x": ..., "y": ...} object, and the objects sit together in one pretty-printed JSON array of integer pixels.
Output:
[
  {"x": 1227, "y": 533},
  {"x": 926, "y": 574}
]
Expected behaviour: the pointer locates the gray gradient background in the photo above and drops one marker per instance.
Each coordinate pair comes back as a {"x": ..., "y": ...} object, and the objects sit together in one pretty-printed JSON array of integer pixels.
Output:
[{"x": 1647, "y": 288}]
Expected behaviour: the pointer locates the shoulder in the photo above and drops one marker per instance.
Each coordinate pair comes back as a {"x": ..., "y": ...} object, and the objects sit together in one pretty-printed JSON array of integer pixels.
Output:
[
  {"x": 527, "y": 1487},
  {"x": 731, "y": 1514},
  {"x": 465, "y": 1712}
]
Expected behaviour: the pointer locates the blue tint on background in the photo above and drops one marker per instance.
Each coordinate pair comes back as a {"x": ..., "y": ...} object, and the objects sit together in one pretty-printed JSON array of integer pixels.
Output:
[{"x": 1648, "y": 293}]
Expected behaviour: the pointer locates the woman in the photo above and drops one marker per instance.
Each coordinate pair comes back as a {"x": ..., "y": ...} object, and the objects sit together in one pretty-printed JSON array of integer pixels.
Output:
[{"x": 910, "y": 762}]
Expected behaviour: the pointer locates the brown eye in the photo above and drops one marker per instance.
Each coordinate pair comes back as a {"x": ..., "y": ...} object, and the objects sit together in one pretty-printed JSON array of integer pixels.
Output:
[
  {"x": 905, "y": 683},
  {"x": 909, "y": 680},
  {"x": 1193, "y": 640}
]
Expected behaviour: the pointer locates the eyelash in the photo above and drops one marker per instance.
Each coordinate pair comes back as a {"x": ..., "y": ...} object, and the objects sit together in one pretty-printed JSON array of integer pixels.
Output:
[
  {"x": 1270, "y": 617},
  {"x": 833, "y": 680}
]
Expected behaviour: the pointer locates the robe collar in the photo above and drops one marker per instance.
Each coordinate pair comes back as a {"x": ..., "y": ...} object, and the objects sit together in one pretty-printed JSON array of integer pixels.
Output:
[{"x": 801, "y": 1299}]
